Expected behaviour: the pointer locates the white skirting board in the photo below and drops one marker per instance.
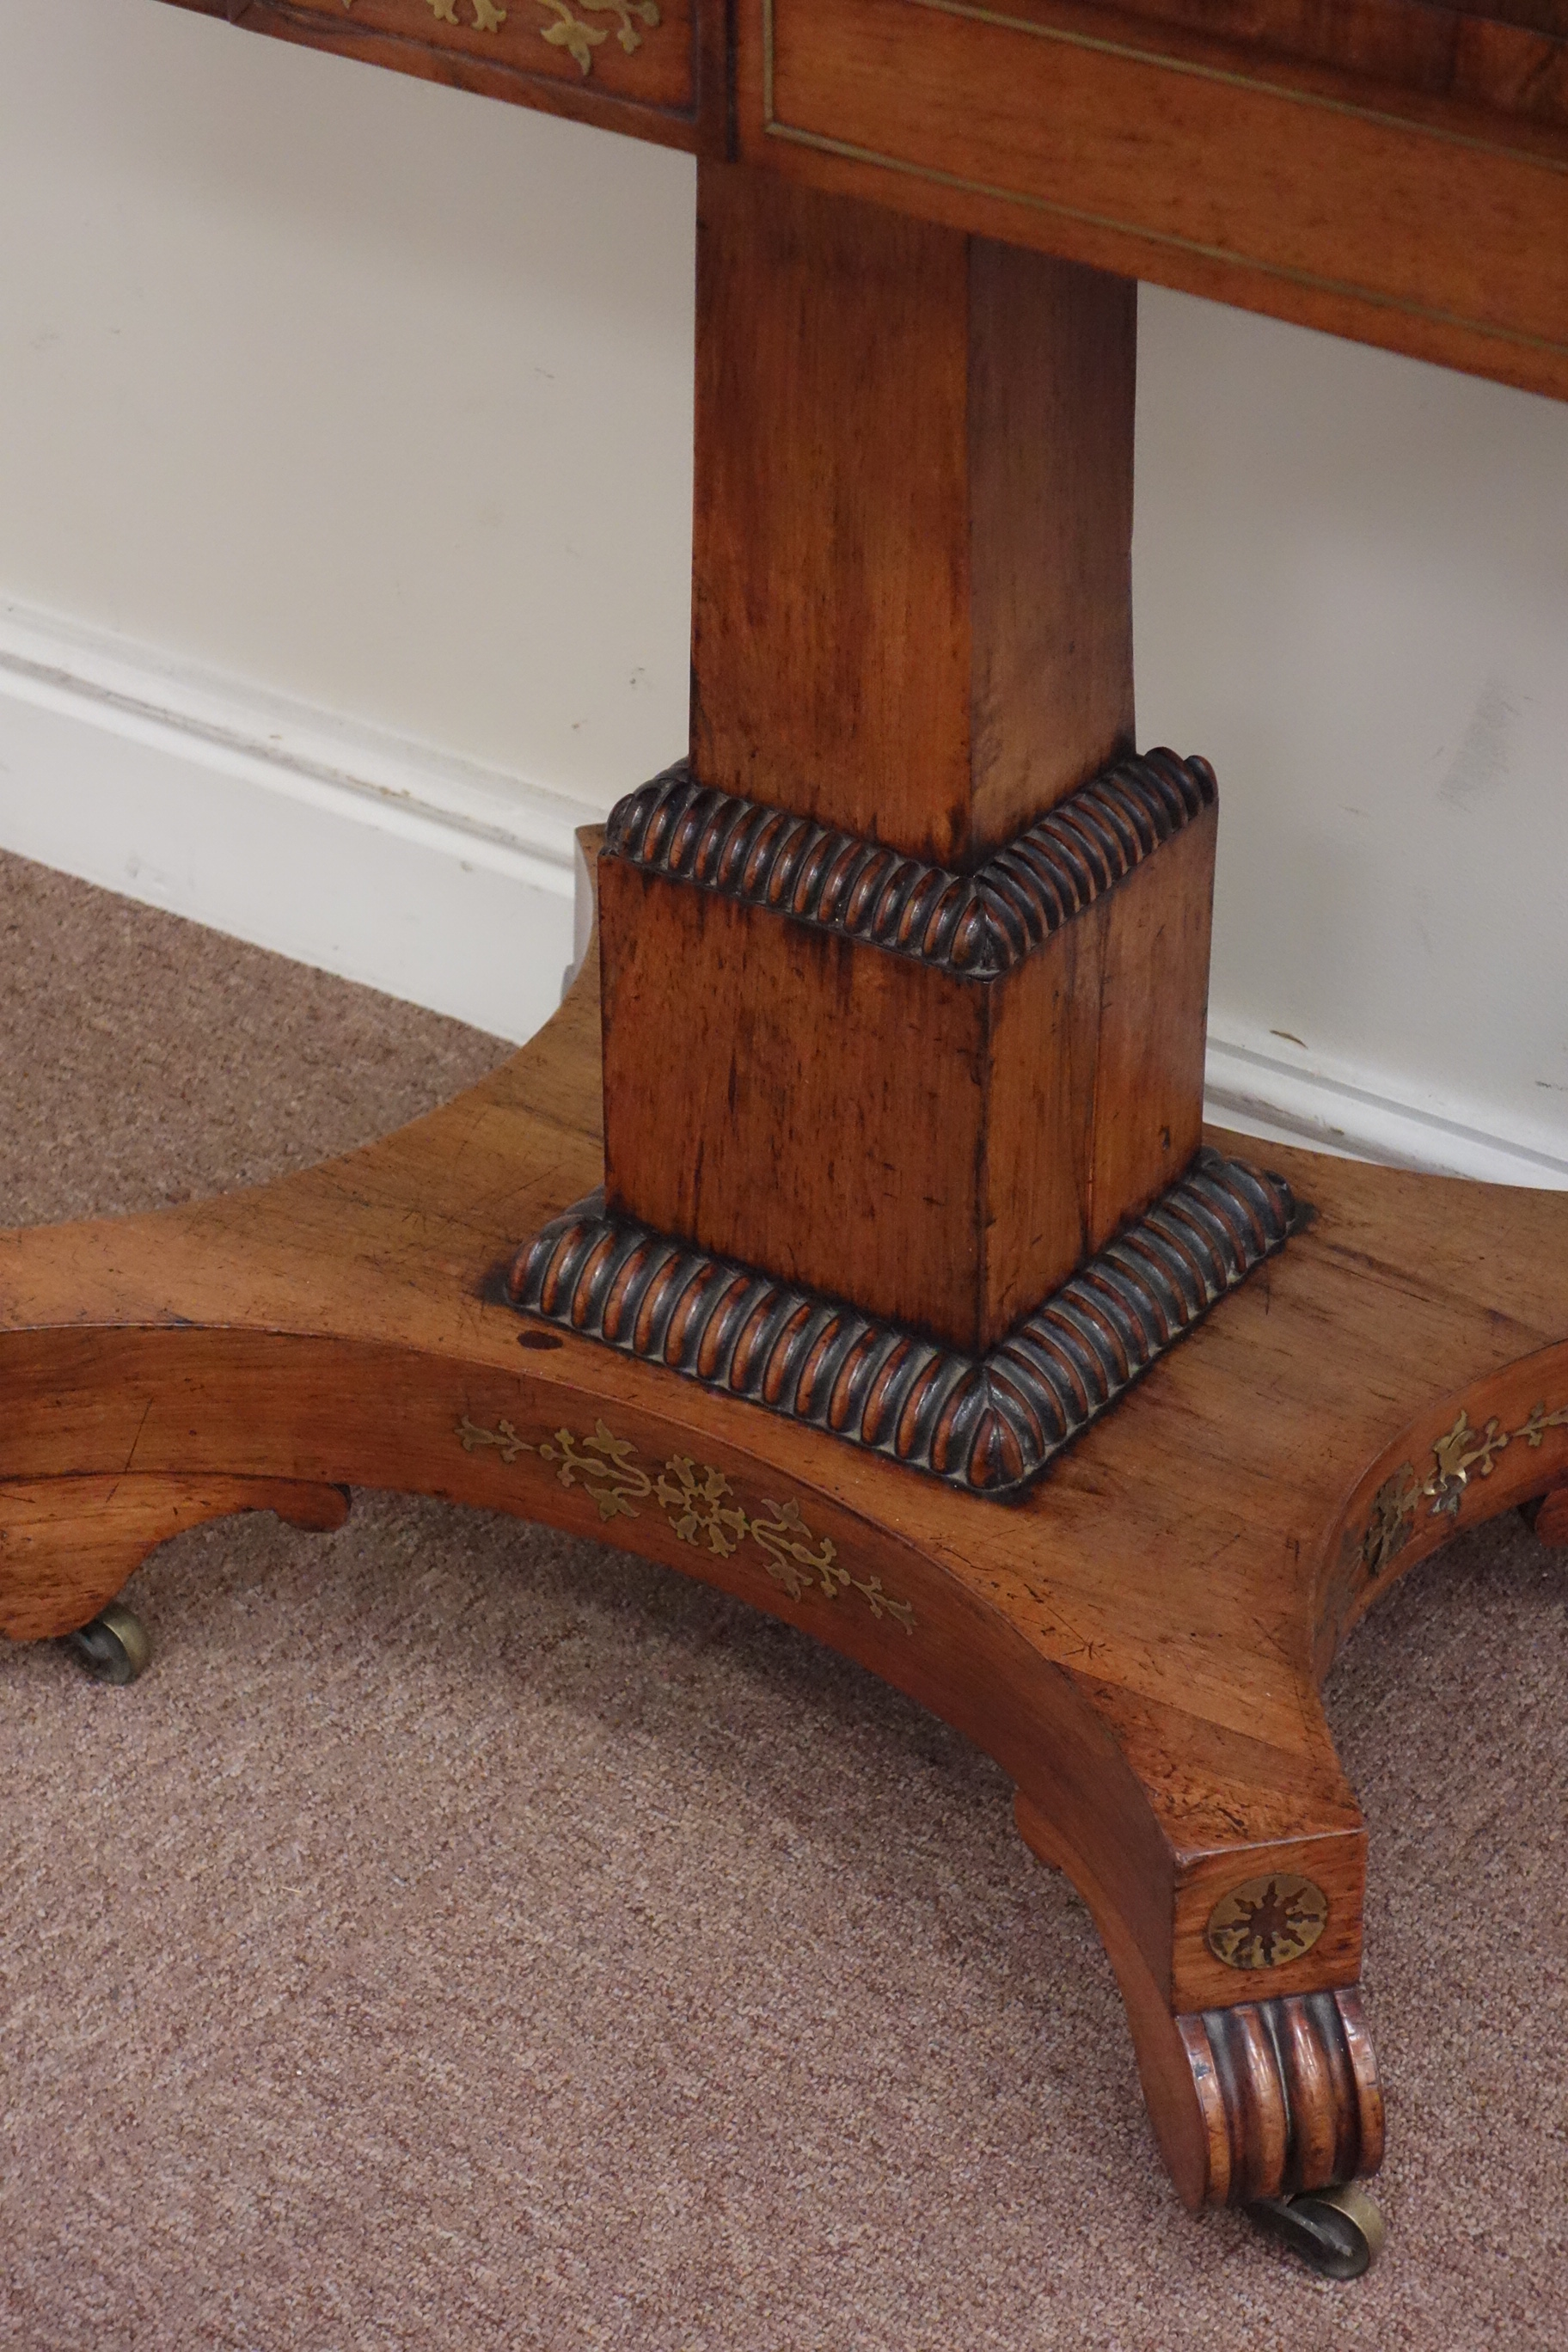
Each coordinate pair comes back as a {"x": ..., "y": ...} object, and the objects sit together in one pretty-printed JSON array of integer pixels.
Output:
[
  {"x": 1346, "y": 1113},
  {"x": 450, "y": 885},
  {"x": 345, "y": 847}
]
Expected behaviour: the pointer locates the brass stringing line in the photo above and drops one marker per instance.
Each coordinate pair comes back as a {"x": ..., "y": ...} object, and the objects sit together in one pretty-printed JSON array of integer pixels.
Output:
[
  {"x": 1163, "y": 62},
  {"x": 1311, "y": 279},
  {"x": 1233, "y": 81},
  {"x": 699, "y": 1503},
  {"x": 1455, "y": 1454}
]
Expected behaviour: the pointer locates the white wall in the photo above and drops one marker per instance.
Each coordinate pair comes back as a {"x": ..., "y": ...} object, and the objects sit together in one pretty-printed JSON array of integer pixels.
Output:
[
  {"x": 356, "y": 387},
  {"x": 347, "y": 459},
  {"x": 1351, "y": 592}
]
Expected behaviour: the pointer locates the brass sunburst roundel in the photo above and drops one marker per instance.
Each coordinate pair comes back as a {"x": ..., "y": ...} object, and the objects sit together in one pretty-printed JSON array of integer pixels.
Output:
[{"x": 1265, "y": 1923}]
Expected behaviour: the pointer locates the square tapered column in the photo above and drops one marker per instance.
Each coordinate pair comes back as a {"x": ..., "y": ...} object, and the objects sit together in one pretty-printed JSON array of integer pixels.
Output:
[{"x": 906, "y": 975}]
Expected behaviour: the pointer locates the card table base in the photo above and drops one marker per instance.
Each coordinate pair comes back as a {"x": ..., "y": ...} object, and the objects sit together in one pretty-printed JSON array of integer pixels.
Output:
[{"x": 1139, "y": 1643}]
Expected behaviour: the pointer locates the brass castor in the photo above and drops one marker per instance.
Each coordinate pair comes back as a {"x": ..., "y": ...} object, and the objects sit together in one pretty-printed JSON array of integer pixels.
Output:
[
  {"x": 114, "y": 1647},
  {"x": 1338, "y": 2232}
]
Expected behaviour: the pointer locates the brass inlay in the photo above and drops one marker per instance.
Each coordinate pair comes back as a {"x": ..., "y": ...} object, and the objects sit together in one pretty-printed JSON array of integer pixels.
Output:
[
  {"x": 1312, "y": 280},
  {"x": 1266, "y": 1922},
  {"x": 567, "y": 32},
  {"x": 1459, "y": 1453},
  {"x": 699, "y": 1503},
  {"x": 1136, "y": 53},
  {"x": 579, "y": 40}
]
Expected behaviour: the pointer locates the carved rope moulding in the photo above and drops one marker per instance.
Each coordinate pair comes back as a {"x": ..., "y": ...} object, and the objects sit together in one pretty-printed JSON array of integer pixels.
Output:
[
  {"x": 566, "y": 30},
  {"x": 699, "y": 1503}
]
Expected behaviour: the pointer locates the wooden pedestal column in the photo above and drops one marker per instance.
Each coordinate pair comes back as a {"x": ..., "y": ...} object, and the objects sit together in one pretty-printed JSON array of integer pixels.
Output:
[
  {"x": 905, "y": 977},
  {"x": 905, "y": 1004}
]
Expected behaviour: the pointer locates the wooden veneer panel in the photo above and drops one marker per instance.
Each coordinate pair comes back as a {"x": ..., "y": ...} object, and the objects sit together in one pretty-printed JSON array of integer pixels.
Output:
[{"x": 1415, "y": 221}]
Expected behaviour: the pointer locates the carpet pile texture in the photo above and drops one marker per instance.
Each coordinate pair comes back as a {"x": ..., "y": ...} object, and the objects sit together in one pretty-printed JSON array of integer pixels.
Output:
[{"x": 466, "y": 1936}]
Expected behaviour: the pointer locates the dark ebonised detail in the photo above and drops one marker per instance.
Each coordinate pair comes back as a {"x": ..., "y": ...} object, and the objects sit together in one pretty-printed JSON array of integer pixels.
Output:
[
  {"x": 980, "y": 924},
  {"x": 988, "y": 1425}
]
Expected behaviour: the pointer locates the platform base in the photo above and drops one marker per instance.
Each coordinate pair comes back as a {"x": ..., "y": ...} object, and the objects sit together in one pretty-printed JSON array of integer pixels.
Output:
[{"x": 1139, "y": 1643}]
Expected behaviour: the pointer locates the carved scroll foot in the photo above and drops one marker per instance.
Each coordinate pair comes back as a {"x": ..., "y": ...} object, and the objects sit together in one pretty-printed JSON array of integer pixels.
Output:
[
  {"x": 1260, "y": 2101},
  {"x": 1288, "y": 2094}
]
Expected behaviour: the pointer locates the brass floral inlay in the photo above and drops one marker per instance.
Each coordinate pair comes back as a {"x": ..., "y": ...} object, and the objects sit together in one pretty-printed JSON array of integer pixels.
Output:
[
  {"x": 699, "y": 1503},
  {"x": 1266, "y": 1922},
  {"x": 487, "y": 18},
  {"x": 1460, "y": 1453},
  {"x": 566, "y": 30},
  {"x": 579, "y": 40}
]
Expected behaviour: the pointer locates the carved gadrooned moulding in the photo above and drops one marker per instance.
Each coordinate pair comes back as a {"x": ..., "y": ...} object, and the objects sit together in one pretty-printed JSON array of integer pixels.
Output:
[
  {"x": 1288, "y": 2093},
  {"x": 981, "y": 924},
  {"x": 988, "y": 1425}
]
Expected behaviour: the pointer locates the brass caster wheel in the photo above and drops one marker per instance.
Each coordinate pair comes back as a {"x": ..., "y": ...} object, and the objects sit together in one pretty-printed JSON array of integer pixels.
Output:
[
  {"x": 1338, "y": 2232},
  {"x": 114, "y": 1647}
]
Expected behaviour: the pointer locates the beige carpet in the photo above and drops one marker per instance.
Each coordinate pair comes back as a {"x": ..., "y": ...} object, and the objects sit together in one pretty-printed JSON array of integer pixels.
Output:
[{"x": 466, "y": 1936}]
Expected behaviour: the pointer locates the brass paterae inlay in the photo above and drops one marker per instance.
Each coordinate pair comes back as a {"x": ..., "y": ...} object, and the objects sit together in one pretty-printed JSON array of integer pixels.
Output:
[
  {"x": 1460, "y": 1453},
  {"x": 700, "y": 1504},
  {"x": 1265, "y": 1923}
]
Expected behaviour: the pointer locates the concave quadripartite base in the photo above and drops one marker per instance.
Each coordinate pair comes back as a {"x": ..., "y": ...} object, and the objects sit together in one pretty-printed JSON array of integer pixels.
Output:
[
  {"x": 988, "y": 1425},
  {"x": 1138, "y": 1643}
]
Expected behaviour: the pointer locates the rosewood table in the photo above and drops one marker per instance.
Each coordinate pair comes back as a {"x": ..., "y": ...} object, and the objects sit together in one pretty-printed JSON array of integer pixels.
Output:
[{"x": 866, "y": 1256}]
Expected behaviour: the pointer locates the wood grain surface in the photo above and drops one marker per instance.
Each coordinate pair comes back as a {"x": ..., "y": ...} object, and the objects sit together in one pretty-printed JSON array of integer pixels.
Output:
[
  {"x": 942, "y": 1149},
  {"x": 911, "y": 625},
  {"x": 73, "y": 1542},
  {"x": 912, "y": 571},
  {"x": 1425, "y": 225},
  {"x": 1394, "y": 171},
  {"x": 1552, "y": 1519},
  {"x": 1510, "y": 57},
  {"x": 1139, "y": 1643}
]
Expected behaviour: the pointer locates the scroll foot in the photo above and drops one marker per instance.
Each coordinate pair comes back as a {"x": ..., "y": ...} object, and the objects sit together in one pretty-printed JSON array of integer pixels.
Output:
[{"x": 1288, "y": 2094}]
